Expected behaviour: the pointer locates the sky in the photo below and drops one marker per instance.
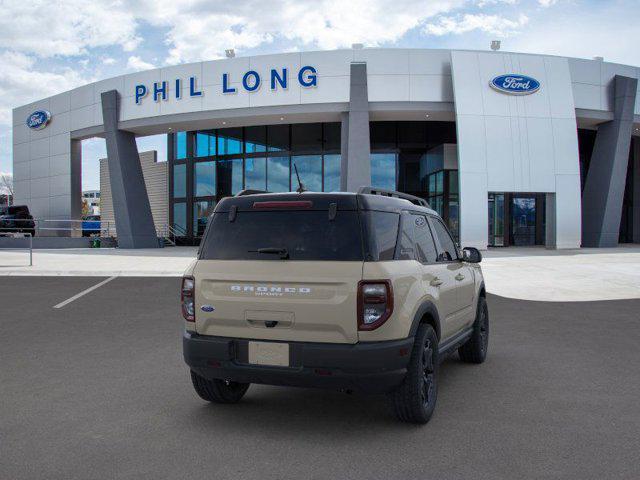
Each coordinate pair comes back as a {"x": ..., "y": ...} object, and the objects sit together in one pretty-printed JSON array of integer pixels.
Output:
[{"x": 50, "y": 47}]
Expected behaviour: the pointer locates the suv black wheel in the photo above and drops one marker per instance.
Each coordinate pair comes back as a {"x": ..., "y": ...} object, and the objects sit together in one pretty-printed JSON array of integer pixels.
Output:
[
  {"x": 475, "y": 350},
  {"x": 218, "y": 391},
  {"x": 415, "y": 400}
]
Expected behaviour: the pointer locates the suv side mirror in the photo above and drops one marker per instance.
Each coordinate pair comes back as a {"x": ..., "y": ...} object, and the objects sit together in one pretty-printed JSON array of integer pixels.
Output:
[{"x": 471, "y": 255}]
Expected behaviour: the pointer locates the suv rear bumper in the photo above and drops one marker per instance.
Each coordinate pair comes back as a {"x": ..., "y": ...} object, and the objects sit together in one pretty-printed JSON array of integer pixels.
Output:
[{"x": 371, "y": 367}]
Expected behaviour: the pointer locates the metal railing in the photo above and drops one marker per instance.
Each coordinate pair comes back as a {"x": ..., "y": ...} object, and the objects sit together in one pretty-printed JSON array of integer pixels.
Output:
[
  {"x": 20, "y": 235},
  {"x": 41, "y": 227}
]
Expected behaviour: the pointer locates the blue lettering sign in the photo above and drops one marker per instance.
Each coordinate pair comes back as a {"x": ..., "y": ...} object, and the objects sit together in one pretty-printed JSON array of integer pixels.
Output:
[
  {"x": 275, "y": 77},
  {"x": 157, "y": 91},
  {"x": 251, "y": 86},
  {"x": 192, "y": 88},
  {"x": 515, "y": 84},
  {"x": 225, "y": 84},
  {"x": 310, "y": 80},
  {"x": 141, "y": 92}
]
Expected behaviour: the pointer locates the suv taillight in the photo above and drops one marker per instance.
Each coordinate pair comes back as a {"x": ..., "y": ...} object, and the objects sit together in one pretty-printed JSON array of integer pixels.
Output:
[
  {"x": 375, "y": 303},
  {"x": 187, "y": 295}
]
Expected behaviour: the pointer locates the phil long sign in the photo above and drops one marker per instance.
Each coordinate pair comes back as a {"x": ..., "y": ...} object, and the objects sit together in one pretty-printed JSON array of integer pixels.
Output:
[{"x": 515, "y": 84}]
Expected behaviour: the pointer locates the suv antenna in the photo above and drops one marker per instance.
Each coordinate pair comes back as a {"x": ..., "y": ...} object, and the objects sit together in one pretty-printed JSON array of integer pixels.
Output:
[{"x": 300, "y": 188}]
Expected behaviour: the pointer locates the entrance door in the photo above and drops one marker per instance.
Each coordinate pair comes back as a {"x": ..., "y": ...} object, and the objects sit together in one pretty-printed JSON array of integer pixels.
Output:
[
  {"x": 523, "y": 220},
  {"x": 496, "y": 220}
]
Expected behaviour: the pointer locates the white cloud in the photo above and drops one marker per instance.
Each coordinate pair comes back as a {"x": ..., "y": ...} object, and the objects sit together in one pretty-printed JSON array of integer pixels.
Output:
[
  {"x": 46, "y": 29},
  {"x": 547, "y": 3},
  {"x": 109, "y": 60},
  {"x": 214, "y": 26},
  {"x": 491, "y": 24},
  {"x": 136, "y": 63},
  {"x": 17, "y": 85}
]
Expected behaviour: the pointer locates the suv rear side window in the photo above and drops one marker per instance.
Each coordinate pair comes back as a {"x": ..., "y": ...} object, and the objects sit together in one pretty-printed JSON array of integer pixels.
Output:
[
  {"x": 384, "y": 234},
  {"x": 449, "y": 251},
  {"x": 305, "y": 234},
  {"x": 416, "y": 241}
]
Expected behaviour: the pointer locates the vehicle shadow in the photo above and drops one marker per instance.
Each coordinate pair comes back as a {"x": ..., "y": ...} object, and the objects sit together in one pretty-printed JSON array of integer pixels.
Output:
[{"x": 306, "y": 411}]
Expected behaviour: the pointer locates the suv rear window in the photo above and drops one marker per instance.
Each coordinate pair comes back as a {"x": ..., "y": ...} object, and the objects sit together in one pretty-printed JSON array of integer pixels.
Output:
[{"x": 305, "y": 234}]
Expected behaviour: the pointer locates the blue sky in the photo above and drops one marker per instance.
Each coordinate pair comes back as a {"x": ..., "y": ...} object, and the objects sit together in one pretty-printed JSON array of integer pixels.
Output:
[{"x": 50, "y": 47}]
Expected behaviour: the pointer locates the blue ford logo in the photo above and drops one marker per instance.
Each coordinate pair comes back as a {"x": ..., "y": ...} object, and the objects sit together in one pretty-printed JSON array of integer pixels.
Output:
[
  {"x": 207, "y": 308},
  {"x": 515, "y": 84},
  {"x": 38, "y": 119}
]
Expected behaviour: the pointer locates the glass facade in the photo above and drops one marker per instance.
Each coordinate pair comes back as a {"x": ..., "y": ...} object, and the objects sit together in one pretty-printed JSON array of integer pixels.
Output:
[
  {"x": 409, "y": 157},
  {"x": 206, "y": 166}
]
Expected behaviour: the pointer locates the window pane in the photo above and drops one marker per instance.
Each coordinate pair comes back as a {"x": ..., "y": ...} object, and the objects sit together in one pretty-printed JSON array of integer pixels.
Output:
[
  {"x": 205, "y": 144},
  {"x": 332, "y": 173},
  {"x": 453, "y": 182},
  {"x": 204, "y": 179},
  {"x": 383, "y": 135},
  {"x": 229, "y": 141},
  {"x": 406, "y": 240},
  {"x": 181, "y": 145},
  {"x": 201, "y": 212},
  {"x": 305, "y": 234},
  {"x": 229, "y": 177},
  {"x": 180, "y": 218},
  {"x": 310, "y": 171},
  {"x": 306, "y": 137},
  {"x": 383, "y": 170},
  {"x": 278, "y": 174},
  {"x": 180, "y": 180},
  {"x": 255, "y": 173},
  {"x": 278, "y": 137},
  {"x": 255, "y": 139},
  {"x": 332, "y": 133},
  {"x": 425, "y": 247},
  {"x": 439, "y": 182},
  {"x": 383, "y": 228},
  {"x": 449, "y": 251}
]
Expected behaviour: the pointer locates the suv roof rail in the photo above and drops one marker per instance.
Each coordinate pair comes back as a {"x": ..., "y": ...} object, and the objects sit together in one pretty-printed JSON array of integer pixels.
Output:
[
  {"x": 249, "y": 191},
  {"x": 393, "y": 193}
]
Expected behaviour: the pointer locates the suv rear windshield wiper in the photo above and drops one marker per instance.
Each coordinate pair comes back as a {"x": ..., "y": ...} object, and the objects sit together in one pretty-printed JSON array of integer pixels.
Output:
[{"x": 283, "y": 252}]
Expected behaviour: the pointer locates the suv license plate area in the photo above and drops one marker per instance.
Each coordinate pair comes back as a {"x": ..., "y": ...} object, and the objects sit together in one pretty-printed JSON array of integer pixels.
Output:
[{"x": 269, "y": 353}]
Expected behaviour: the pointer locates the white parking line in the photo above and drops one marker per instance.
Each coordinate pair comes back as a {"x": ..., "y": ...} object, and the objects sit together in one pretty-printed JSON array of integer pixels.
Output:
[{"x": 82, "y": 293}]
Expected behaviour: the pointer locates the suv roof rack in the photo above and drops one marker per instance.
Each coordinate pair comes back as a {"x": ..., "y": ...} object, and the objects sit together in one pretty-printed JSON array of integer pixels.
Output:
[
  {"x": 249, "y": 191},
  {"x": 393, "y": 193}
]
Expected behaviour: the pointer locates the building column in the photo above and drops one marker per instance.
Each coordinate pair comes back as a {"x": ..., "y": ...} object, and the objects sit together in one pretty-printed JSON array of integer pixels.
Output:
[
  {"x": 605, "y": 183},
  {"x": 356, "y": 148},
  {"x": 131, "y": 208}
]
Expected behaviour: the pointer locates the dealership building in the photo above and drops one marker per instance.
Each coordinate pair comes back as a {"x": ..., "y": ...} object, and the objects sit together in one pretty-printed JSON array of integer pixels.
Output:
[{"x": 511, "y": 149}]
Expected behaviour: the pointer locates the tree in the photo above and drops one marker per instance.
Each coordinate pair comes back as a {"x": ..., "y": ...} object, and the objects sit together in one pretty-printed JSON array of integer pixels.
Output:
[
  {"x": 86, "y": 209},
  {"x": 6, "y": 188}
]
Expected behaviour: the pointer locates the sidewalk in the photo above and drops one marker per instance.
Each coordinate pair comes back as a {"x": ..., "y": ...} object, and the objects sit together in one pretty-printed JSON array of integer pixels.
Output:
[
  {"x": 521, "y": 273},
  {"x": 99, "y": 262},
  {"x": 586, "y": 274}
]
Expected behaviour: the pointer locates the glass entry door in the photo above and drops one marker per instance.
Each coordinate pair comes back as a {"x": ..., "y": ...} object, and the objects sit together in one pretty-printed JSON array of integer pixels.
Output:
[
  {"x": 496, "y": 220},
  {"x": 523, "y": 220}
]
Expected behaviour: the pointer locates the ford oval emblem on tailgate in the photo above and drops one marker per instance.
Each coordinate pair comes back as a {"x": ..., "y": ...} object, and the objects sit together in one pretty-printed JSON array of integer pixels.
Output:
[{"x": 207, "y": 308}]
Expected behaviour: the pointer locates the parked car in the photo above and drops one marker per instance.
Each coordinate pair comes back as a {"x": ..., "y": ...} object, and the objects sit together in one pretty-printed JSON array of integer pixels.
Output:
[
  {"x": 91, "y": 225},
  {"x": 358, "y": 292},
  {"x": 17, "y": 219}
]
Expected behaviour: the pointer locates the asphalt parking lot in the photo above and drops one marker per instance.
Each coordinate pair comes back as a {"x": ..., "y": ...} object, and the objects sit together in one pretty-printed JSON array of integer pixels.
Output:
[{"x": 97, "y": 389}]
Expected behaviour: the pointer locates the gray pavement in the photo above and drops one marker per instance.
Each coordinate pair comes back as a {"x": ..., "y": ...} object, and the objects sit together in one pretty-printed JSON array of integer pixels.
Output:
[{"x": 98, "y": 390}]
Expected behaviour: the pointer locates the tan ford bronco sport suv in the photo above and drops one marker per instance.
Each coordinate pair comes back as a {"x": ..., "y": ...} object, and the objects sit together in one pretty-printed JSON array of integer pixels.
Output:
[{"x": 358, "y": 291}]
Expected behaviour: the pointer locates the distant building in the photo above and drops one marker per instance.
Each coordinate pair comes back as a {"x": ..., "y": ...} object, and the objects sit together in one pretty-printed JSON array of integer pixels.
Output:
[
  {"x": 157, "y": 186},
  {"x": 92, "y": 197}
]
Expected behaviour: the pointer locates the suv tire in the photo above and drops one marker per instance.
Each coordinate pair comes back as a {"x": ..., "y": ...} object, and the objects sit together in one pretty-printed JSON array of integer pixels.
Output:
[
  {"x": 218, "y": 391},
  {"x": 415, "y": 400},
  {"x": 475, "y": 349}
]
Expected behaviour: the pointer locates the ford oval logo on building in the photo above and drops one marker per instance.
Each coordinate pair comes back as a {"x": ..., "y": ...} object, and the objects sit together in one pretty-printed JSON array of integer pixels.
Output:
[
  {"x": 515, "y": 84},
  {"x": 38, "y": 119}
]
